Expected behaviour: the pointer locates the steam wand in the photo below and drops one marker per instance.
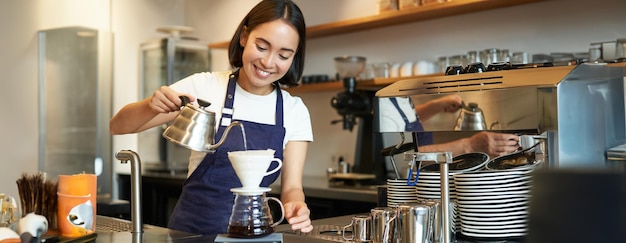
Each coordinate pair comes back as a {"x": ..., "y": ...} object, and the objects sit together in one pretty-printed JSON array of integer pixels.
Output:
[
  {"x": 393, "y": 161},
  {"x": 135, "y": 187}
]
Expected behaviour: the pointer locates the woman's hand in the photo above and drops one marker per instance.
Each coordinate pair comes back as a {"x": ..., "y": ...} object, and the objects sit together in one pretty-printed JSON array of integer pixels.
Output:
[
  {"x": 166, "y": 100},
  {"x": 147, "y": 113},
  {"x": 494, "y": 144},
  {"x": 298, "y": 215}
]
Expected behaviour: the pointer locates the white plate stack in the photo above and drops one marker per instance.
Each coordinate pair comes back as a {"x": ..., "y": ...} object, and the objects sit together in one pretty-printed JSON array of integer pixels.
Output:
[
  {"x": 429, "y": 187},
  {"x": 493, "y": 205},
  {"x": 399, "y": 191}
]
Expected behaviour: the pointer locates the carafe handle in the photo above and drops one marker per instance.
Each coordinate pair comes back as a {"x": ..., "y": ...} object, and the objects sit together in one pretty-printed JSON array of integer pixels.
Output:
[{"x": 282, "y": 211}]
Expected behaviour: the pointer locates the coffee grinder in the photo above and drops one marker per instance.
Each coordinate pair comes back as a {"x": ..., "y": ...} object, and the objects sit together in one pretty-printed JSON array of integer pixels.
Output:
[{"x": 352, "y": 104}]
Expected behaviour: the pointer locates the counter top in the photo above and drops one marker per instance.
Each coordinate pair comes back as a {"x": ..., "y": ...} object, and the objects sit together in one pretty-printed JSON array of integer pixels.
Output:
[
  {"x": 324, "y": 231},
  {"x": 159, "y": 234},
  {"x": 317, "y": 187}
]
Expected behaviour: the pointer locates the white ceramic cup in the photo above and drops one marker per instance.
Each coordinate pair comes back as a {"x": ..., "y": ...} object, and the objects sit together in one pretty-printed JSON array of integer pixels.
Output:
[
  {"x": 251, "y": 165},
  {"x": 394, "y": 70},
  {"x": 422, "y": 68},
  {"x": 406, "y": 69}
]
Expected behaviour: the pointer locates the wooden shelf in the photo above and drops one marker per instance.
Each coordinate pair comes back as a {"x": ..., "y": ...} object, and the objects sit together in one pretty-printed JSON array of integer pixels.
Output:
[
  {"x": 371, "y": 84},
  {"x": 316, "y": 87},
  {"x": 390, "y": 18}
]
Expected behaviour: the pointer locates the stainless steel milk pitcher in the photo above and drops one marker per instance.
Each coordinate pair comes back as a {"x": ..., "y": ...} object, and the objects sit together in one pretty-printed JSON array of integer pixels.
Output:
[
  {"x": 413, "y": 223},
  {"x": 437, "y": 219},
  {"x": 383, "y": 224},
  {"x": 361, "y": 227}
]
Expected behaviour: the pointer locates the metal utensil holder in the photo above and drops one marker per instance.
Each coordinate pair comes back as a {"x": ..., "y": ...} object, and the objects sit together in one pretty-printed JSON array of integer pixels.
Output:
[{"x": 443, "y": 159}]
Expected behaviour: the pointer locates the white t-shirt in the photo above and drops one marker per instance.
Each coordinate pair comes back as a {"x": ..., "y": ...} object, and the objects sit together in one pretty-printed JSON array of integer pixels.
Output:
[
  {"x": 211, "y": 86},
  {"x": 390, "y": 118}
]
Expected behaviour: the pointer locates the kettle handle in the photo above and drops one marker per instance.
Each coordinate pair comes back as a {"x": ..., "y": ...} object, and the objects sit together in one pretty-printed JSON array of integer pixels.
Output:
[{"x": 184, "y": 100}]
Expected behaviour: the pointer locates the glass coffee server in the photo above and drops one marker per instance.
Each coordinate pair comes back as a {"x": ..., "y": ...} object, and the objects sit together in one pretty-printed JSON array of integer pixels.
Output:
[{"x": 163, "y": 62}]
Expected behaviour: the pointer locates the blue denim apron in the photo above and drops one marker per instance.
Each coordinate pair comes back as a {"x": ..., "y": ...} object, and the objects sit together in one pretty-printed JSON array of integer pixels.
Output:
[
  {"x": 423, "y": 138},
  {"x": 205, "y": 205}
]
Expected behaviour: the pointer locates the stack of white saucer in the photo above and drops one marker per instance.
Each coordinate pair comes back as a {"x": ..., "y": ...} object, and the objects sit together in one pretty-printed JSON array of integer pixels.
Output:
[
  {"x": 429, "y": 187},
  {"x": 399, "y": 191},
  {"x": 493, "y": 205}
]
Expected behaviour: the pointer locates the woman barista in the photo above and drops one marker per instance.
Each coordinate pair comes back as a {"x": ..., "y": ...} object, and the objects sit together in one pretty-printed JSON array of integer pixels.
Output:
[{"x": 267, "y": 50}]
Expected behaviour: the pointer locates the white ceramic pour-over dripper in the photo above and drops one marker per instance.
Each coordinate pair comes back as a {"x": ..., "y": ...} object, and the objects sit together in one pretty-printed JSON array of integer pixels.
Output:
[{"x": 251, "y": 166}]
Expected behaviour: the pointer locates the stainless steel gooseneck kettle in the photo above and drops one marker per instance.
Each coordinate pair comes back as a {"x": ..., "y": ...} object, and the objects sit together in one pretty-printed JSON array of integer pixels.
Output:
[
  {"x": 471, "y": 118},
  {"x": 194, "y": 127}
]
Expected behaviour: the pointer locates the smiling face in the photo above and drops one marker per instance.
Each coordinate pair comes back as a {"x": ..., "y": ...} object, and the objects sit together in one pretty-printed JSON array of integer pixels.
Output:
[{"x": 269, "y": 50}]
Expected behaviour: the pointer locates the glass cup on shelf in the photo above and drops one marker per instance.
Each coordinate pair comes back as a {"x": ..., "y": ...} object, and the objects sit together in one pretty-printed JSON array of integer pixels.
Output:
[
  {"x": 381, "y": 70},
  {"x": 368, "y": 73},
  {"x": 456, "y": 60},
  {"x": 473, "y": 56},
  {"x": 491, "y": 55},
  {"x": 442, "y": 64},
  {"x": 520, "y": 58}
]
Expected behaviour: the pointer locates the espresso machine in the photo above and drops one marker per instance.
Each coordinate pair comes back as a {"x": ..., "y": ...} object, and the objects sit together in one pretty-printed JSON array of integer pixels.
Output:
[{"x": 577, "y": 109}]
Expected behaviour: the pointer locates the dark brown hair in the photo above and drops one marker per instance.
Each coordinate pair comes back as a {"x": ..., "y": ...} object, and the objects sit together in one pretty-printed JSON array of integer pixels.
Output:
[{"x": 266, "y": 11}]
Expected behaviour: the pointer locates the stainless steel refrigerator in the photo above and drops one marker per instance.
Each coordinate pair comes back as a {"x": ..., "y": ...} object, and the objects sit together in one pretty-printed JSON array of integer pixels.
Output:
[
  {"x": 75, "y": 73},
  {"x": 163, "y": 62}
]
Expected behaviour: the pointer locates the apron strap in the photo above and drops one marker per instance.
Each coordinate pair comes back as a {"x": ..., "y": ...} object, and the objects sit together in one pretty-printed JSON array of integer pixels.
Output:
[{"x": 229, "y": 100}]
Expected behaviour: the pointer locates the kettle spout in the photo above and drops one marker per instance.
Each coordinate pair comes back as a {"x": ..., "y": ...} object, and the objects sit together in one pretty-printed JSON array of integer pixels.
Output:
[{"x": 212, "y": 147}]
